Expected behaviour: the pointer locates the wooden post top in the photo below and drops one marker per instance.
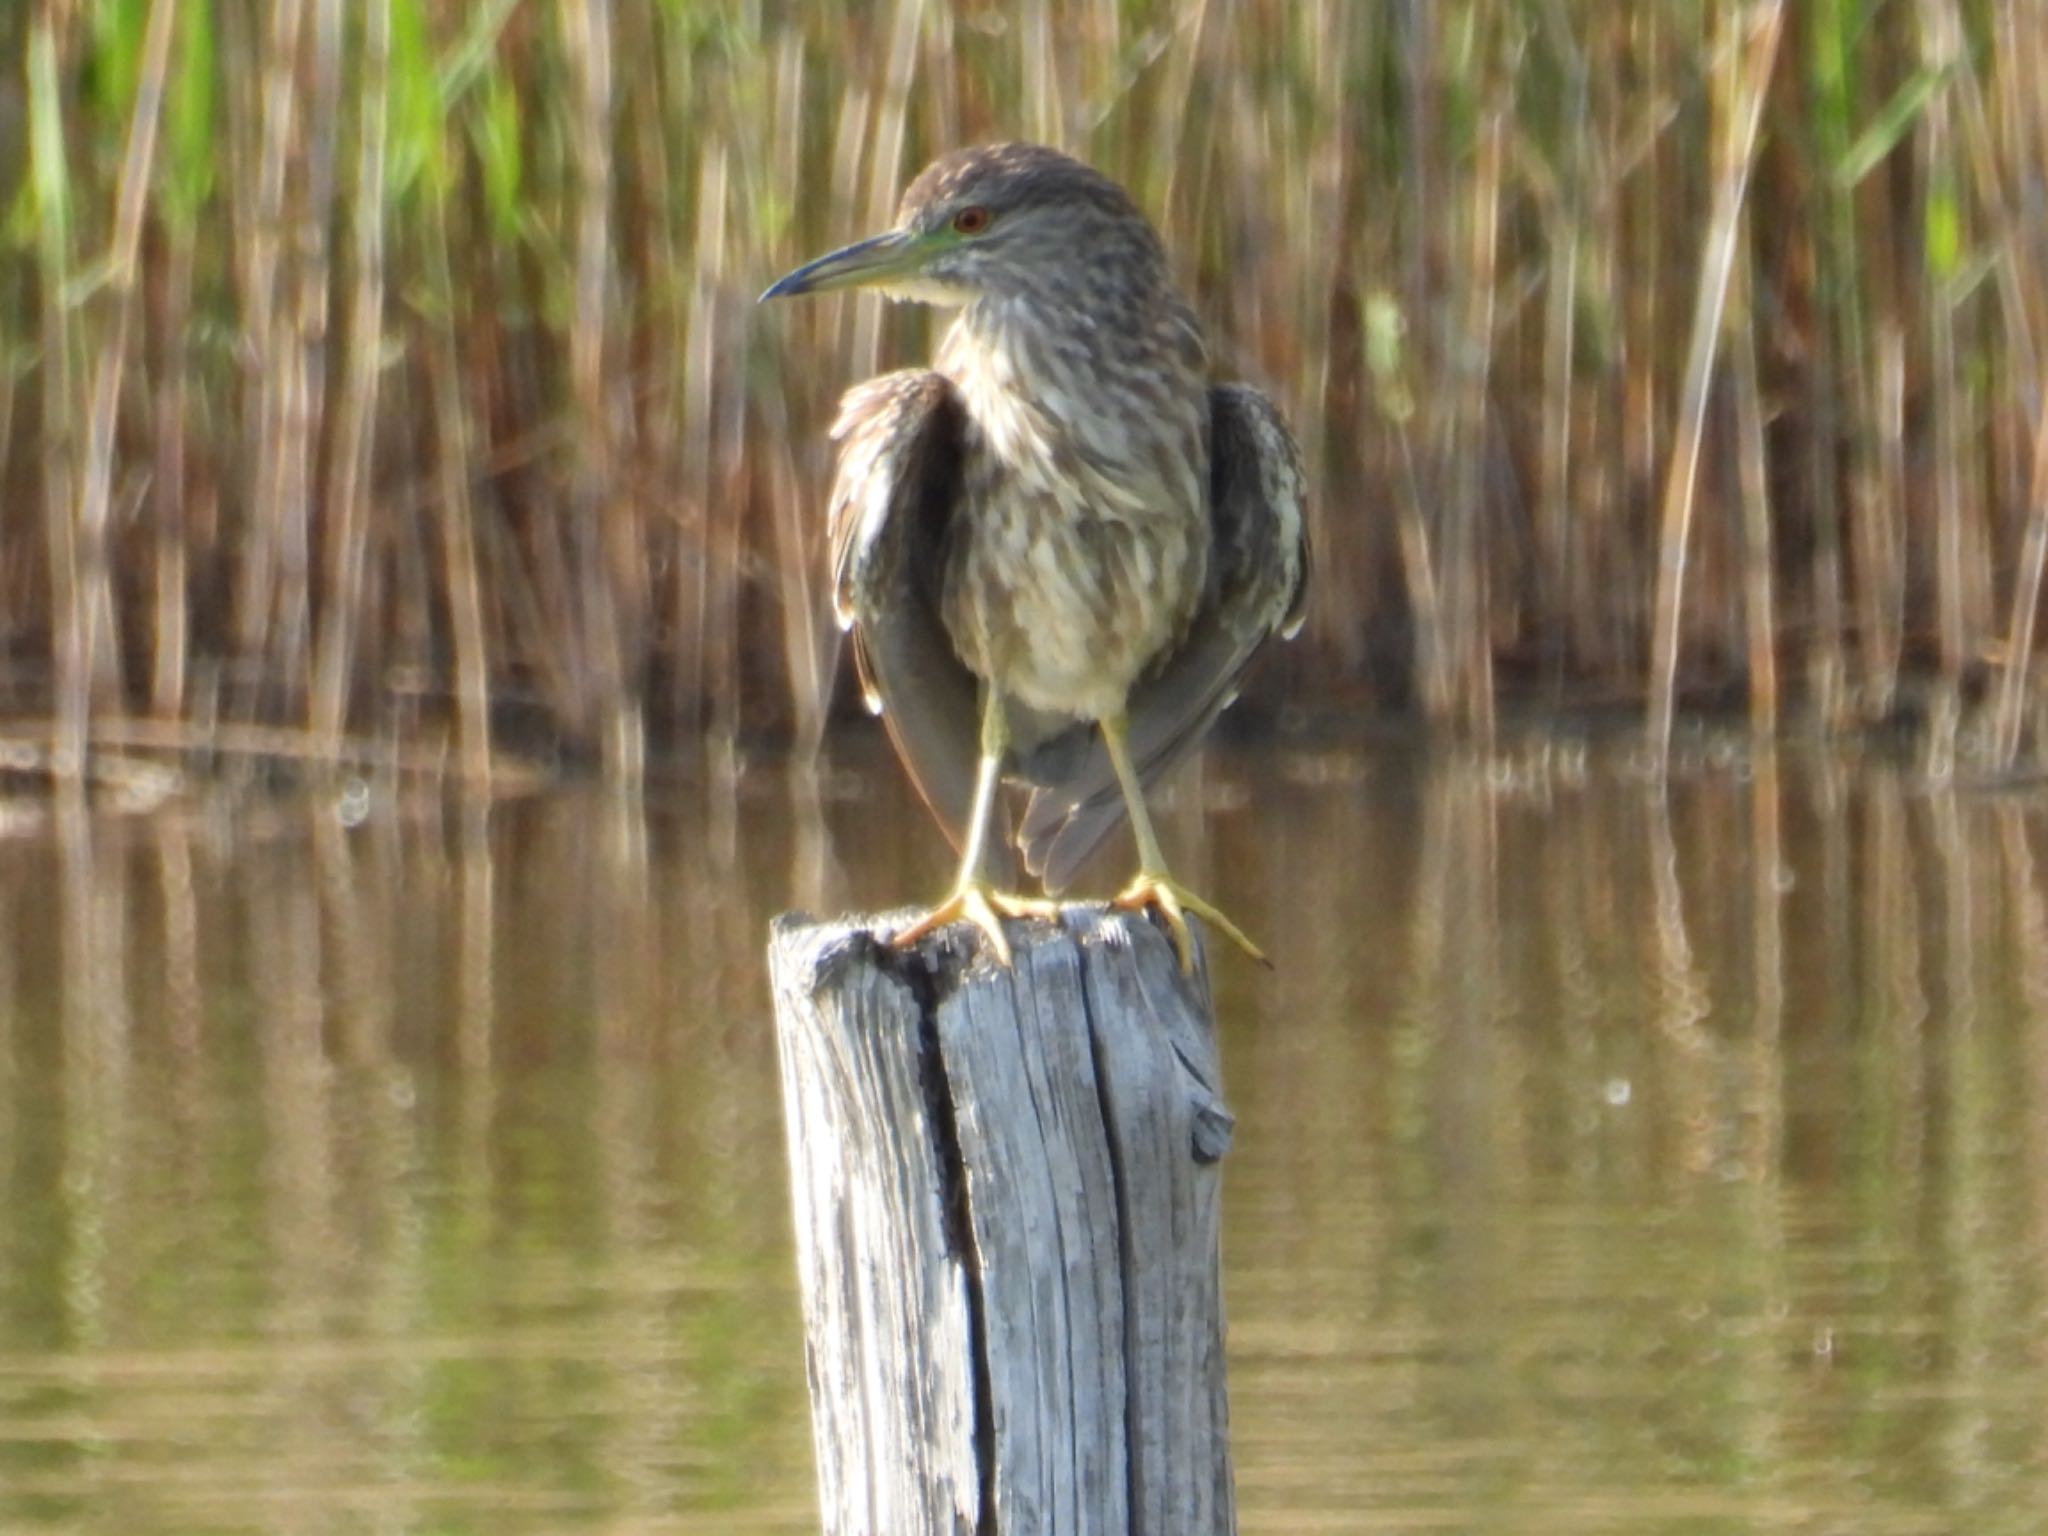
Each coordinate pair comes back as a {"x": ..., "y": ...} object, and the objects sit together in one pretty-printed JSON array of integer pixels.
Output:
[{"x": 1008, "y": 1219}]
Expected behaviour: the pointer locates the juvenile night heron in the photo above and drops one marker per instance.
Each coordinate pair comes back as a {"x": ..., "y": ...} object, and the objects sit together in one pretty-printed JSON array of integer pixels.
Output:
[{"x": 1060, "y": 525}]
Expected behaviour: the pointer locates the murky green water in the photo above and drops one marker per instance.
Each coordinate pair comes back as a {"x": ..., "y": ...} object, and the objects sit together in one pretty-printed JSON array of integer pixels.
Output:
[{"x": 1606, "y": 1162}]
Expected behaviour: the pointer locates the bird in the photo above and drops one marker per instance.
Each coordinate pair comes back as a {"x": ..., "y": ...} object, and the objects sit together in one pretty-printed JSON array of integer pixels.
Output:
[{"x": 1060, "y": 545}]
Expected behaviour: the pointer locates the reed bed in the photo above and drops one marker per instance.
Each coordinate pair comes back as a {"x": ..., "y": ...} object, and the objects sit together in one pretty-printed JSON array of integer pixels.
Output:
[{"x": 390, "y": 369}]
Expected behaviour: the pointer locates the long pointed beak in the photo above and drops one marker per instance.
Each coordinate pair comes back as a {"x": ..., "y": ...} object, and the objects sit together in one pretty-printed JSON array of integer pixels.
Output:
[{"x": 865, "y": 264}]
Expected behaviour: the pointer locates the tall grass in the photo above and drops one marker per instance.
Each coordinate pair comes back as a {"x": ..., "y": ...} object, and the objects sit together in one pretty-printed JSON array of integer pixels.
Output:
[{"x": 390, "y": 371}]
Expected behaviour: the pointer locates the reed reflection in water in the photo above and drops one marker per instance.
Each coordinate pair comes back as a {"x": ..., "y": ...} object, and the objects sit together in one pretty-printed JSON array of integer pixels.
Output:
[{"x": 1610, "y": 1159}]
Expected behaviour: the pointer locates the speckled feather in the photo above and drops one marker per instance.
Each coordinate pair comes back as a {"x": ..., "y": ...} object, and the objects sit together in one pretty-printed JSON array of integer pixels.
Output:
[
  {"x": 1257, "y": 588},
  {"x": 896, "y": 490}
]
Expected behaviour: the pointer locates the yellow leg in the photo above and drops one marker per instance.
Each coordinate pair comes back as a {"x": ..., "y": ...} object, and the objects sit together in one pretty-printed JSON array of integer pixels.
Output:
[
  {"x": 1152, "y": 886},
  {"x": 973, "y": 899}
]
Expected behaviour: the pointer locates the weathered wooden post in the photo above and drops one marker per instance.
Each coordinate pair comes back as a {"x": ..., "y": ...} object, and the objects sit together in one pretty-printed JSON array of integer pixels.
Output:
[{"x": 1008, "y": 1212}]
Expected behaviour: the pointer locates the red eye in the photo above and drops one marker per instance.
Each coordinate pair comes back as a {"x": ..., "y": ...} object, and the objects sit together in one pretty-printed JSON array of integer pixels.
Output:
[{"x": 972, "y": 221}]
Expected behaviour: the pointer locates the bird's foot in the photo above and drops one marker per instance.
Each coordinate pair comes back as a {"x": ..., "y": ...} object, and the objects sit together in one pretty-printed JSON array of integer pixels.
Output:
[
  {"x": 1173, "y": 901},
  {"x": 982, "y": 905}
]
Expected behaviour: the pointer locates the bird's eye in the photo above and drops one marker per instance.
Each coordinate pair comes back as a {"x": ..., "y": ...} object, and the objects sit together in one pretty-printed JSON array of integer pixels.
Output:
[{"x": 972, "y": 221}]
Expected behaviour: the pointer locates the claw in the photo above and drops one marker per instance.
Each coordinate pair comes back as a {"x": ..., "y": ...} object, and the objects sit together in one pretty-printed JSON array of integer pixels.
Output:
[
  {"x": 1172, "y": 901},
  {"x": 984, "y": 907}
]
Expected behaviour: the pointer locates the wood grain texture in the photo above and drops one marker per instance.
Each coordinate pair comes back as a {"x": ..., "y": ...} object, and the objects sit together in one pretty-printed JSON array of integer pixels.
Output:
[{"x": 1008, "y": 1216}]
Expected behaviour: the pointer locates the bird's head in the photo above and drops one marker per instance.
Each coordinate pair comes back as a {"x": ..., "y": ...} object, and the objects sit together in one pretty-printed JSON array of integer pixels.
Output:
[{"x": 999, "y": 220}]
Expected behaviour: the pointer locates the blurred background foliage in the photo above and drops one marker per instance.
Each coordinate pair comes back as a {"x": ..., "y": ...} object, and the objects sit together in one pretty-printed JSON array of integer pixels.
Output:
[{"x": 386, "y": 375}]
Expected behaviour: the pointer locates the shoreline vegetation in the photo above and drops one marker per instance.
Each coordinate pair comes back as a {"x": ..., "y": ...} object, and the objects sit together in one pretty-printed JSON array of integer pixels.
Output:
[{"x": 389, "y": 372}]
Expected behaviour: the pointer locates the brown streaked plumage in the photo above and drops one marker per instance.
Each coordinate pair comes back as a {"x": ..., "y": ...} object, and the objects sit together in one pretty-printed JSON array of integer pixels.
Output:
[{"x": 1060, "y": 525}]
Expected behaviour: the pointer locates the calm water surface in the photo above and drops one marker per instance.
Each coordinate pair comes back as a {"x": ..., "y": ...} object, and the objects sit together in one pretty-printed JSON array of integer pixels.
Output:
[{"x": 1607, "y": 1161}]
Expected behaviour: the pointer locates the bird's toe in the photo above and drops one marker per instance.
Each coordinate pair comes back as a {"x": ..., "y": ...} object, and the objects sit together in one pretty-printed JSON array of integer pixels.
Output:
[{"x": 1165, "y": 895}]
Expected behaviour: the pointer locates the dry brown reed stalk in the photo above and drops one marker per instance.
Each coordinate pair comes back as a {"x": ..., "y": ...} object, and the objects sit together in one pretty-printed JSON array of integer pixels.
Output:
[
  {"x": 1043, "y": 116},
  {"x": 605, "y": 538},
  {"x": 1740, "y": 101},
  {"x": 1881, "y": 584},
  {"x": 809, "y": 639},
  {"x": 1433, "y": 641},
  {"x": 59, "y": 362},
  {"x": 2024, "y": 131},
  {"x": 54, "y": 273},
  {"x": 1322, "y": 314},
  {"x": 97, "y": 630},
  {"x": 452, "y": 462},
  {"x": 274, "y": 420},
  {"x": 885, "y": 142},
  {"x": 305, "y": 292},
  {"x": 1759, "y": 612},
  {"x": 1468, "y": 610},
  {"x": 170, "y": 622},
  {"x": 1995, "y": 161},
  {"x": 719, "y": 441},
  {"x": 347, "y": 487},
  {"x": 1557, "y": 517},
  {"x": 697, "y": 359},
  {"x": 1946, "y": 405},
  {"x": 2026, "y": 602},
  {"x": 10, "y": 394},
  {"x": 1844, "y": 512}
]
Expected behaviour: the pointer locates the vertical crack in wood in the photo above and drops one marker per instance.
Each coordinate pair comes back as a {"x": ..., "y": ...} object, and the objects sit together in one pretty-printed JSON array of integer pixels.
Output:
[
  {"x": 1119, "y": 1184},
  {"x": 958, "y": 1219}
]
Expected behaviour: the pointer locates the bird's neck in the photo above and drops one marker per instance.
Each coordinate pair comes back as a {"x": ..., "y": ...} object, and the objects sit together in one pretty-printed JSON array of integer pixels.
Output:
[{"x": 1039, "y": 378}]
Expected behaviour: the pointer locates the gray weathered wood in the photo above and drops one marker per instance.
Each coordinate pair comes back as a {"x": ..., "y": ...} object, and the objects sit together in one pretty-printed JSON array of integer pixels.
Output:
[{"x": 1008, "y": 1216}]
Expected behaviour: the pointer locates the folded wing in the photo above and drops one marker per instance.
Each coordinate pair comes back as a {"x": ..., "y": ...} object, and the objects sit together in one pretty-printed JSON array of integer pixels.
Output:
[{"x": 894, "y": 495}]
